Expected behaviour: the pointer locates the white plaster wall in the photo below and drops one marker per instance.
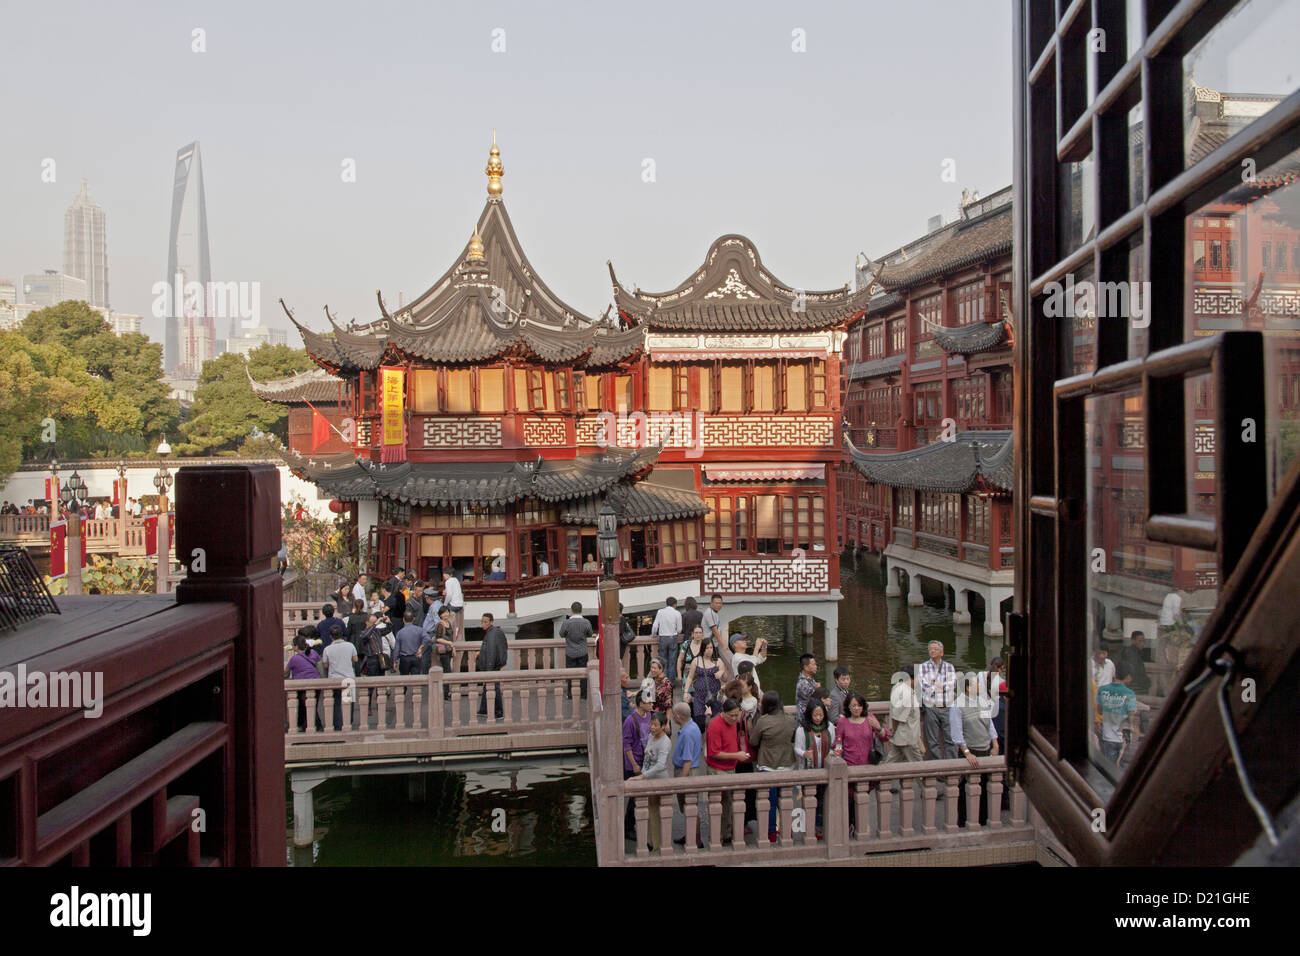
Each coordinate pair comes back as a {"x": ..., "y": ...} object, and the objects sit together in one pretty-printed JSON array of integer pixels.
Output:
[{"x": 139, "y": 479}]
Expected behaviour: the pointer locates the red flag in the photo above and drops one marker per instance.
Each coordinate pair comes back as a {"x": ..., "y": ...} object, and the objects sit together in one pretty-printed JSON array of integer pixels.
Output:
[
  {"x": 83, "y": 548},
  {"x": 115, "y": 484},
  {"x": 151, "y": 536},
  {"x": 320, "y": 429},
  {"x": 58, "y": 548}
]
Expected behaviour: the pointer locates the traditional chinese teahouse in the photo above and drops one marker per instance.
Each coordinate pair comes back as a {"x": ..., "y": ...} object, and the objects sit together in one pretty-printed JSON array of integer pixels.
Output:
[{"x": 493, "y": 422}]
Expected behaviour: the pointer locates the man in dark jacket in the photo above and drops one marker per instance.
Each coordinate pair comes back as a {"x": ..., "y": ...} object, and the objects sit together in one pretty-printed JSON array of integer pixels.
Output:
[
  {"x": 492, "y": 656},
  {"x": 394, "y": 603},
  {"x": 415, "y": 603}
]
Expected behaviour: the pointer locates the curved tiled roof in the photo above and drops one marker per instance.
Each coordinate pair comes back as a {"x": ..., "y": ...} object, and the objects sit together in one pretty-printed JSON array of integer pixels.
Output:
[
  {"x": 967, "y": 339},
  {"x": 641, "y": 502},
  {"x": 972, "y": 458},
  {"x": 733, "y": 291},
  {"x": 968, "y": 243},
  {"x": 480, "y": 309},
  {"x": 472, "y": 483},
  {"x": 313, "y": 385}
]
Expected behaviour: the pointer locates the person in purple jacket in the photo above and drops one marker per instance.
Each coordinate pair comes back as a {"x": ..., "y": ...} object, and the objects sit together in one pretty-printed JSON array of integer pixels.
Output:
[
  {"x": 302, "y": 666},
  {"x": 636, "y": 730}
]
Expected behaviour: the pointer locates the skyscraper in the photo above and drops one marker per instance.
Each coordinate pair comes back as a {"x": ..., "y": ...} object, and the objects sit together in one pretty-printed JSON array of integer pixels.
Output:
[
  {"x": 190, "y": 337},
  {"x": 85, "y": 246}
]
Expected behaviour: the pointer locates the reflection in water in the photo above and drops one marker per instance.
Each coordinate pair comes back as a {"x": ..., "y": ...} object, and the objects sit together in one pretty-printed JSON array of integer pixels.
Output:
[
  {"x": 542, "y": 814},
  {"x": 527, "y": 815}
]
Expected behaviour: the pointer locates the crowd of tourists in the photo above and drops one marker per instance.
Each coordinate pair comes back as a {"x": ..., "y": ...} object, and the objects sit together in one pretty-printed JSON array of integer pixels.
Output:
[
  {"x": 702, "y": 709},
  {"x": 95, "y": 509}
]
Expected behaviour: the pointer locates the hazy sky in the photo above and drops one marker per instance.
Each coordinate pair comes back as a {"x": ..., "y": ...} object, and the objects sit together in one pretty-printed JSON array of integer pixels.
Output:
[{"x": 815, "y": 155}]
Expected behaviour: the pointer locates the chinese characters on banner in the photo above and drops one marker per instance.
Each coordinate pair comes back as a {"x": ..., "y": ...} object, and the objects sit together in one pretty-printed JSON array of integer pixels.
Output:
[{"x": 392, "y": 394}]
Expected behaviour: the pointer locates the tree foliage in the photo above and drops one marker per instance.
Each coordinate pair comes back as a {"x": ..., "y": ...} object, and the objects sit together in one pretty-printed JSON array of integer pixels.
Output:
[
  {"x": 130, "y": 366},
  {"x": 225, "y": 410},
  {"x": 44, "y": 385}
]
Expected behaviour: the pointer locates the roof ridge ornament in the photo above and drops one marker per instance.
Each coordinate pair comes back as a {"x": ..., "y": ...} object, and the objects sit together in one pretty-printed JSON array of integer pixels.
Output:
[
  {"x": 475, "y": 246},
  {"x": 494, "y": 169}
]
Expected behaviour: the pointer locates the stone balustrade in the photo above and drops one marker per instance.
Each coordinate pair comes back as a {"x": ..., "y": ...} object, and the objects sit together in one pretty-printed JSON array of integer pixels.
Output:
[{"x": 896, "y": 807}]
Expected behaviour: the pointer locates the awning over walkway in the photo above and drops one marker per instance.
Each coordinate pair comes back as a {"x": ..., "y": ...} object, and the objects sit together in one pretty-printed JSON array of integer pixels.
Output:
[{"x": 973, "y": 459}]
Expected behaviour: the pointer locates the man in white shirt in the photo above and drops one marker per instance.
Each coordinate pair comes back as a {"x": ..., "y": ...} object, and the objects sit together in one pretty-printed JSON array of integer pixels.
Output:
[
  {"x": 668, "y": 628},
  {"x": 711, "y": 621},
  {"x": 904, "y": 744},
  {"x": 937, "y": 681},
  {"x": 340, "y": 656},
  {"x": 454, "y": 598},
  {"x": 359, "y": 589},
  {"x": 1103, "y": 669},
  {"x": 740, "y": 654}
]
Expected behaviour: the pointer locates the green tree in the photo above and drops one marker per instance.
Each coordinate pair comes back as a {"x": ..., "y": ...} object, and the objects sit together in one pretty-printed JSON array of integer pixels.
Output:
[
  {"x": 225, "y": 410},
  {"x": 129, "y": 365},
  {"x": 40, "y": 381}
]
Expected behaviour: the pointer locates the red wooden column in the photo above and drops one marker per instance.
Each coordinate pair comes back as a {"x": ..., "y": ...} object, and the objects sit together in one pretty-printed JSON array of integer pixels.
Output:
[{"x": 232, "y": 513}]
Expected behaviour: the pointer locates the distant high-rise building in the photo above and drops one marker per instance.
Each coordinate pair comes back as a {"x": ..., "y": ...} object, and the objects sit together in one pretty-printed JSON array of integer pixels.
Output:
[
  {"x": 190, "y": 338},
  {"x": 51, "y": 287},
  {"x": 8, "y": 304},
  {"x": 121, "y": 322},
  {"x": 85, "y": 246},
  {"x": 255, "y": 338}
]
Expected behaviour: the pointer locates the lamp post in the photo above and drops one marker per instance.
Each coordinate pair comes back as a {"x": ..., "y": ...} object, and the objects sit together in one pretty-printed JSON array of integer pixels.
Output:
[
  {"x": 163, "y": 482},
  {"x": 610, "y": 729},
  {"x": 122, "y": 516},
  {"x": 53, "y": 493},
  {"x": 73, "y": 497}
]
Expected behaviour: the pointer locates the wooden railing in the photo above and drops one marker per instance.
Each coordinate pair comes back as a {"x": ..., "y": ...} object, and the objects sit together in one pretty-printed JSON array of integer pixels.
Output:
[{"x": 181, "y": 759}]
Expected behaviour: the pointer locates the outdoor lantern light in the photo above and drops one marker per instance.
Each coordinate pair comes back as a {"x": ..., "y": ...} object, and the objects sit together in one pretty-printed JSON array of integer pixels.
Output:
[
  {"x": 78, "y": 486},
  {"x": 164, "y": 449},
  {"x": 162, "y": 481},
  {"x": 607, "y": 537}
]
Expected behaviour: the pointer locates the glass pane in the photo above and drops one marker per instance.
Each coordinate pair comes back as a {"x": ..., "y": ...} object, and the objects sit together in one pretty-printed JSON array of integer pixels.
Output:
[
  {"x": 1147, "y": 601},
  {"x": 661, "y": 398},
  {"x": 1073, "y": 303},
  {"x": 1244, "y": 290},
  {"x": 1077, "y": 204},
  {"x": 459, "y": 391},
  {"x": 1243, "y": 68},
  {"x": 492, "y": 389},
  {"x": 1136, "y": 156},
  {"x": 426, "y": 390},
  {"x": 1132, "y": 27}
]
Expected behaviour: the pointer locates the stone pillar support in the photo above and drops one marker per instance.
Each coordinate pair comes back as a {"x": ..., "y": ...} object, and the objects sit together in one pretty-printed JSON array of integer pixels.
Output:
[
  {"x": 914, "y": 597},
  {"x": 961, "y": 610}
]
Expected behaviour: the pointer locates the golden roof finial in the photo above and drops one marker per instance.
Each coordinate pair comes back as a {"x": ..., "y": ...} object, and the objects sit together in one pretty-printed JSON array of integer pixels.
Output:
[
  {"x": 475, "y": 246},
  {"x": 494, "y": 168}
]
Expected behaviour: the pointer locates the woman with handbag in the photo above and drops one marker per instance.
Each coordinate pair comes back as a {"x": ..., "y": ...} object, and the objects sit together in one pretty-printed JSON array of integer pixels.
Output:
[
  {"x": 857, "y": 732},
  {"x": 704, "y": 685}
]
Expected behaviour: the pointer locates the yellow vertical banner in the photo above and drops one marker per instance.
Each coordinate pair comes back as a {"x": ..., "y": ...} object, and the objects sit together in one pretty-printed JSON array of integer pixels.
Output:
[{"x": 392, "y": 390}]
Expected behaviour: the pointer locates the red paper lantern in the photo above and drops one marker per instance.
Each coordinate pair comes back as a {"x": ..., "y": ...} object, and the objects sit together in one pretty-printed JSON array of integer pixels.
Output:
[{"x": 338, "y": 507}]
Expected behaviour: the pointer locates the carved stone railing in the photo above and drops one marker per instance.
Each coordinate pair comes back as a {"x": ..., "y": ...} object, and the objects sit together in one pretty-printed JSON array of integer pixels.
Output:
[
  {"x": 896, "y": 807},
  {"x": 24, "y": 529},
  {"x": 433, "y": 706}
]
